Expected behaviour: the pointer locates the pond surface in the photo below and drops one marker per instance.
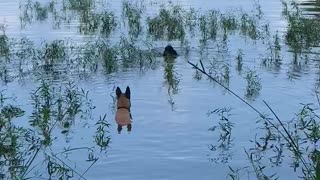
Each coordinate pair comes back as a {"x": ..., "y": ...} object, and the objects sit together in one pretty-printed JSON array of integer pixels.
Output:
[{"x": 171, "y": 136}]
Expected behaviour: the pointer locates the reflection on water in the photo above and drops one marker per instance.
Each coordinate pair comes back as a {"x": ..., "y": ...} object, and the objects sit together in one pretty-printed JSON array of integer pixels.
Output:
[{"x": 70, "y": 55}]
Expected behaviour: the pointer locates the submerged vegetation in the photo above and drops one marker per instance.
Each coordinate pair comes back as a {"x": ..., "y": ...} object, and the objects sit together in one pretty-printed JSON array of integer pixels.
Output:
[
  {"x": 42, "y": 147},
  {"x": 56, "y": 111}
]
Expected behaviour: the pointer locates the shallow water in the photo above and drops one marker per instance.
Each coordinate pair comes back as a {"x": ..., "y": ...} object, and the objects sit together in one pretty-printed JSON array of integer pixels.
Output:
[{"x": 172, "y": 140}]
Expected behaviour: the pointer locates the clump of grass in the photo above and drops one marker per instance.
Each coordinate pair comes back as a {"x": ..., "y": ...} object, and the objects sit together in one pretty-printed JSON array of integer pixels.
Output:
[
  {"x": 302, "y": 32},
  {"x": 91, "y": 22},
  {"x": 167, "y": 25},
  {"x": 209, "y": 25},
  {"x": 34, "y": 10},
  {"x": 102, "y": 137},
  {"x": 273, "y": 58},
  {"x": 109, "y": 57},
  {"x": 248, "y": 26},
  {"x": 228, "y": 24},
  {"x": 259, "y": 13},
  {"x": 253, "y": 84},
  {"x": 302, "y": 136},
  {"x": 11, "y": 151},
  {"x": 171, "y": 76},
  {"x": 52, "y": 52},
  {"x": 26, "y": 13},
  {"x": 40, "y": 11},
  {"x": 80, "y": 5},
  {"x": 213, "y": 23},
  {"x": 108, "y": 23},
  {"x": 131, "y": 54},
  {"x": 24, "y": 49},
  {"x": 239, "y": 59},
  {"x": 55, "y": 108},
  {"x": 191, "y": 20},
  {"x": 277, "y": 48},
  {"x": 133, "y": 15},
  {"x": 4, "y": 42},
  {"x": 27, "y": 152},
  {"x": 220, "y": 71},
  {"x": 203, "y": 27},
  {"x": 296, "y": 139},
  {"x": 224, "y": 129}
]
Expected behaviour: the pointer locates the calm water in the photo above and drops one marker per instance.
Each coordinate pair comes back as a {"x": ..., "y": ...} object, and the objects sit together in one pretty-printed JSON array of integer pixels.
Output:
[{"x": 172, "y": 140}]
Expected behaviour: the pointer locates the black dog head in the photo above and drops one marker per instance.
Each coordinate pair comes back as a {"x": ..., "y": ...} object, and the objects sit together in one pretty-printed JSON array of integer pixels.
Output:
[{"x": 169, "y": 51}]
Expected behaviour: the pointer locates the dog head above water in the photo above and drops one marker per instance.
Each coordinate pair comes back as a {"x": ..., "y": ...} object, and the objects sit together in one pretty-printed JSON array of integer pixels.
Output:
[
  {"x": 123, "y": 114},
  {"x": 123, "y": 99},
  {"x": 169, "y": 51}
]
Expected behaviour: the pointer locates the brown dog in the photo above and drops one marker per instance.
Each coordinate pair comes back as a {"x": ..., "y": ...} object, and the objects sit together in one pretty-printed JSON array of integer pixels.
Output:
[{"x": 123, "y": 114}]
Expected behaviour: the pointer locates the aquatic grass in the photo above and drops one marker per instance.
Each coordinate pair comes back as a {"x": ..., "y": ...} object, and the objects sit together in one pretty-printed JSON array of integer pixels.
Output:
[
  {"x": 4, "y": 46},
  {"x": 239, "y": 59},
  {"x": 203, "y": 28},
  {"x": 259, "y": 12},
  {"x": 171, "y": 76},
  {"x": 89, "y": 22},
  {"x": 287, "y": 137},
  {"x": 104, "y": 23},
  {"x": 26, "y": 13},
  {"x": 4, "y": 42},
  {"x": 191, "y": 18},
  {"x": 133, "y": 13},
  {"x": 24, "y": 49},
  {"x": 254, "y": 85},
  {"x": 30, "y": 152},
  {"x": 53, "y": 51},
  {"x": 303, "y": 33},
  {"x": 168, "y": 24},
  {"x": 273, "y": 59},
  {"x": 102, "y": 137},
  {"x": 228, "y": 23},
  {"x": 80, "y": 5},
  {"x": 40, "y": 11},
  {"x": 236, "y": 173},
  {"x": 34, "y": 11},
  {"x": 220, "y": 71},
  {"x": 224, "y": 129},
  {"x": 131, "y": 55},
  {"x": 108, "y": 23},
  {"x": 213, "y": 20},
  {"x": 277, "y": 48},
  {"x": 248, "y": 27},
  {"x": 109, "y": 56}
]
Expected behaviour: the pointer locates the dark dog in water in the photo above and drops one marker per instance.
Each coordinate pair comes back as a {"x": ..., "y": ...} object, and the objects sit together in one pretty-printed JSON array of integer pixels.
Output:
[{"x": 169, "y": 51}]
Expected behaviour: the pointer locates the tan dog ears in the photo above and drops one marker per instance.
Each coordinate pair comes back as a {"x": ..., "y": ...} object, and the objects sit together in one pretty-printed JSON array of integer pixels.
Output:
[
  {"x": 127, "y": 93},
  {"x": 118, "y": 92}
]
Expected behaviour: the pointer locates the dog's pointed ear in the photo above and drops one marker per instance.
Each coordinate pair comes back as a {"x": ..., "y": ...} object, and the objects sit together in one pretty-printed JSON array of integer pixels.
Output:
[
  {"x": 128, "y": 93},
  {"x": 118, "y": 92}
]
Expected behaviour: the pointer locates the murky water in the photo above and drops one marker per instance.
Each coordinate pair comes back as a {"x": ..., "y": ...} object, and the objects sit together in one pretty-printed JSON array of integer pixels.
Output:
[{"x": 170, "y": 138}]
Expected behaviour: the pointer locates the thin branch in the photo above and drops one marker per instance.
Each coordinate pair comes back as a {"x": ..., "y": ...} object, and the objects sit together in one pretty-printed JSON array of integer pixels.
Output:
[
  {"x": 88, "y": 168},
  {"x": 212, "y": 78},
  {"x": 287, "y": 137},
  {"x": 69, "y": 167}
]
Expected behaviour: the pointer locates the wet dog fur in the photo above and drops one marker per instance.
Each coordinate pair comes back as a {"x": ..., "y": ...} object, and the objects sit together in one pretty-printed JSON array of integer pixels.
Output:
[
  {"x": 123, "y": 114},
  {"x": 169, "y": 51}
]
